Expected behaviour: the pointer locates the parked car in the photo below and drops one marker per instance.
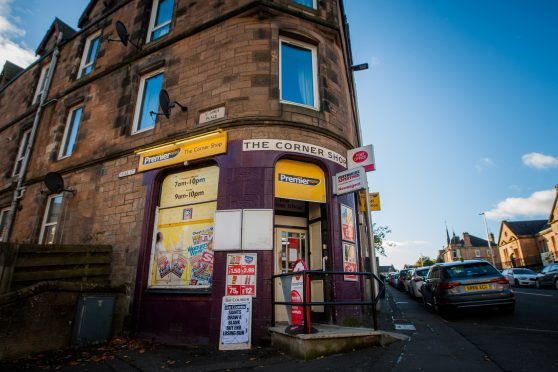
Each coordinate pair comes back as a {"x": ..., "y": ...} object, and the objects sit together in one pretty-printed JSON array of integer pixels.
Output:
[
  {"x": 417, "y": 279},
  {"x": 466, "y": 284},
  {"x": 548, "y": 277},
  {"x": 392, "y": 278},
  {"x": 519, "y": 277},
  {"x": 400, "y": 280},
  {"x": 407, "y": 279}
]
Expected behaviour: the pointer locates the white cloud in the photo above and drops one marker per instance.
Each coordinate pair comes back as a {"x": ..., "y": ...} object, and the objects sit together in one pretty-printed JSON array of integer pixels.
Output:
[
  {"x": 539, "y": 161},
  {"x": 484, "y": 163},
  {"x": 538, "y": 204},
  {"x": 10, "y": 49},
  {"x": 393, "y": 243}
]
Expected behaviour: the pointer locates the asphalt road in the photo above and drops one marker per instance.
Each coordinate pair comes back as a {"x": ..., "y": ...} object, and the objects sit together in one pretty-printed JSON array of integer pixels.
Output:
[{"x": 481, "y": 340}]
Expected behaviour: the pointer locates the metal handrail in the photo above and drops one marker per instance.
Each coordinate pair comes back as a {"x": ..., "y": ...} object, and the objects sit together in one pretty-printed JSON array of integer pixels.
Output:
[{"x": 308, "y": 304}]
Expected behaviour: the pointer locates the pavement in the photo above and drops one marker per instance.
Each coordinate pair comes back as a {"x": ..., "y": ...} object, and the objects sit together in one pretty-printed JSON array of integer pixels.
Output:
[{"x": 486, "y": 341}]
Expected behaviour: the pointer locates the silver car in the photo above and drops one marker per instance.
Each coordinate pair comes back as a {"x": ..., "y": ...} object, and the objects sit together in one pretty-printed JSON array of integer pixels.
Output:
[{"x": 520, "y": 277}]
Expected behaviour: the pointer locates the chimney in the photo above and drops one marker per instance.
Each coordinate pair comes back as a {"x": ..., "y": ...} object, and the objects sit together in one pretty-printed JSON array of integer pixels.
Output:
[
  {"x": 466, "y": 240},
  {"x": 492, "y": 239}
]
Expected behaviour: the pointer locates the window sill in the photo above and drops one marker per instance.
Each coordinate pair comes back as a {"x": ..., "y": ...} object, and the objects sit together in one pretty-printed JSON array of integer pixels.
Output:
[{"x": 313, "y": 108}]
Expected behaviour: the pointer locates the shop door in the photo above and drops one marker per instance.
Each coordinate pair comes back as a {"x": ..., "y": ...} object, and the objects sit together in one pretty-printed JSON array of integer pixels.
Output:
[{"x": 291, "y": 244}]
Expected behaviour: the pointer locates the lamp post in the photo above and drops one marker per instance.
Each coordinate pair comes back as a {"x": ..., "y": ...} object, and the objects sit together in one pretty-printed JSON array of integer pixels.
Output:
[{"x": 488, "y": 239}]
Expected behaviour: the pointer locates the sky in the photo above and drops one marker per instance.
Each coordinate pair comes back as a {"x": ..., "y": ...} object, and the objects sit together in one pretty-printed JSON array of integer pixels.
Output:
[{"x": 460, "y": 102}]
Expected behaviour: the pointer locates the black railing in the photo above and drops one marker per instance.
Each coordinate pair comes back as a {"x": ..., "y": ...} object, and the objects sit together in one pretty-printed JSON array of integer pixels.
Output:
[{"x": 307, "y": 294}]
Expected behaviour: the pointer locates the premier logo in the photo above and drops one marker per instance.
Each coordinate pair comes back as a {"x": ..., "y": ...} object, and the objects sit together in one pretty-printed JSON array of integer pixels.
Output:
[
  {"x": 298, "y": 180},
  {"x": 160, "y": 157}
]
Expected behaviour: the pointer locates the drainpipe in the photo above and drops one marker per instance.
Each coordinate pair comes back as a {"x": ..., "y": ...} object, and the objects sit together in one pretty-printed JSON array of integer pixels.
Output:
[{"x": 20, "y": 188}]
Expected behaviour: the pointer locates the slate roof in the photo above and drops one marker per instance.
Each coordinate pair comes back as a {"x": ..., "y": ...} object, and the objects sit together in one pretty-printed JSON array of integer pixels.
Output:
[
  {"x": 58, "y": 26},
  {"x": 478, "y": 242},
  {"x": 523, "y": 228},
  {"x": 9, "y": 71}
]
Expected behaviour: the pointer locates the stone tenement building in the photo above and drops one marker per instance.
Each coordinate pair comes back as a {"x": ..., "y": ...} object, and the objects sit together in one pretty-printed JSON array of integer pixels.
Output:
[{"x": 269, "y": 115}]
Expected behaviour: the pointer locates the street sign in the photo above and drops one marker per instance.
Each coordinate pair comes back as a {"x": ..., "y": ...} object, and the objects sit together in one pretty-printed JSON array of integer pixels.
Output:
[
  {"x": 361, "y": 157},
  {"x": 349, "y": 181},
  {"x": 374, "y": 201}
]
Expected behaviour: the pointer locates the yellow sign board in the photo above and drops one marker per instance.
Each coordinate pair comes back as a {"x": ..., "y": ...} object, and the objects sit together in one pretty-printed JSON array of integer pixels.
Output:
[
  {"x": 195, "y": 186},
  {"x": 374, "y": 201},
  {"x": 299, "y": 181},
  {"x": 180, "y": 151}
]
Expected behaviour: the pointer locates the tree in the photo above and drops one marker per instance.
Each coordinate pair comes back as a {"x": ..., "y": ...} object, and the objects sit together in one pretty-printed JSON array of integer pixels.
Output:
[
  {"x": 380, "y": 233},
  {"x": 424, "y": 261}
]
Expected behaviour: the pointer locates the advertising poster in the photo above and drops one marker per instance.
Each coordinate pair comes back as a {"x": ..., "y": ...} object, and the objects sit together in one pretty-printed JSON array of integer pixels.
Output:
[
  {"x": 349, "y": 262},
  {"x": 297, "y": 291},
  {"x": 236, "y": 323},
  {"x": 241, "y": 274},
  {"x": 347, "y": 223}
]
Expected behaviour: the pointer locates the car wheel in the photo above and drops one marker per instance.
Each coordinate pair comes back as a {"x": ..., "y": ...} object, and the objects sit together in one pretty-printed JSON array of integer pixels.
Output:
[
  {"x": 516, "y": 283},
  {"x": 538, "y": 284},
  {"x": 424, "y": 301}
]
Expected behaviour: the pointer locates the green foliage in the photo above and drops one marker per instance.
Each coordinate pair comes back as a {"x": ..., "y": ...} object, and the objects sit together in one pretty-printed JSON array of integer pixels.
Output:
[
  {"x": 424, "y": 261},
  {"x": 380, "y": 233}
]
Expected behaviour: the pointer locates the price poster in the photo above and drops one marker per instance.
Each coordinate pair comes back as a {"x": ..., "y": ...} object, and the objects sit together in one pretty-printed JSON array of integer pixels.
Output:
[
  {"x": 349, "y": 262},
  {"x": 241, "y": 274},
  {"x": 236, "y": 323}
]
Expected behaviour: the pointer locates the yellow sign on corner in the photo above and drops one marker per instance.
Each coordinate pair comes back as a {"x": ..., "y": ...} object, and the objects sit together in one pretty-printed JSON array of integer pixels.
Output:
[
  {"x": 299, "y": 181},
  {"x": 374, "y": 201},
  {"x": 176, "y": 152}
]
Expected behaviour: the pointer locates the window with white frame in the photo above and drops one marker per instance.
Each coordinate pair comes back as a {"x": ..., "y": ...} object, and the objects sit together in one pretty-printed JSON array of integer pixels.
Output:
[
  {"x": 70, "y": 133},
  {"x": 20, "y": 157},
  {"x": 3, "y": 222},
  {"x": 454, "y": 253},
  {"x": 298, "y": 73},
  {"x": 41, "y": 85},
  {"x": 488, "y": 252},
  {"x": 89, "y": 54},
  {"x": 161, "y": 18},
  {"x": 308, "y": 3},
  {"x": 477, "y": 253},
  {"x": 51, "y": 218},
  {"x": 147, "y": 101}
]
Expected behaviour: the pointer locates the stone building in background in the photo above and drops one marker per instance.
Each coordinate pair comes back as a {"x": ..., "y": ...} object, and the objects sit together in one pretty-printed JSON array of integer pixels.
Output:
[
  {"x": 269, "y": 114},
  {"x": 470, "y": 247}
]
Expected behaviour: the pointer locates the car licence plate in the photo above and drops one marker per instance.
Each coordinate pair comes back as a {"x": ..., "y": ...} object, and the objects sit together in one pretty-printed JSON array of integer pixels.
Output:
[{"x": 477, "y": 287}]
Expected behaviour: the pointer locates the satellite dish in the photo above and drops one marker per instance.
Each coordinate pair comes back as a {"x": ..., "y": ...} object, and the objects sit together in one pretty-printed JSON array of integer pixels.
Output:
[
  {"x": 54, "y": 182},
  {"x": 164, "y": 102},
  {"x": 122, "y": 33}
]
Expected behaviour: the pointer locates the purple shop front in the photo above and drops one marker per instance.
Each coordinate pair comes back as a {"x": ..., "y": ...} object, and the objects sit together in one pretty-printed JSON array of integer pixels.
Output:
[{"x": 181, "y": 279}]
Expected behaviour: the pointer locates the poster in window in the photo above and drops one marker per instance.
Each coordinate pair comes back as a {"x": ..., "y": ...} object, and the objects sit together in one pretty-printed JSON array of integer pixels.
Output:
[
  {"x": 347, "y": 223},
  {"x": 349, "y": 262},
  {"x": 183, "y": 254}
]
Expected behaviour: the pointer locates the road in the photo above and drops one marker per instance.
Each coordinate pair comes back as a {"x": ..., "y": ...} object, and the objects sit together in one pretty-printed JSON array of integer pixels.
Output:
[{"x": 481, "y": 340}]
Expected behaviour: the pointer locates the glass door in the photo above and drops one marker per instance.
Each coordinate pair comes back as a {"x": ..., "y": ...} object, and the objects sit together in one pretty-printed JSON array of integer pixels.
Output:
[{"x": 291, "y": 244}]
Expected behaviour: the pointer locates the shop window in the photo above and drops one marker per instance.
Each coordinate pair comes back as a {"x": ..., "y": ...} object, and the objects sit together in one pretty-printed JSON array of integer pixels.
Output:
[
  {"x": 161, "y": 18},
  {"x": 147, "y": 101},
  {"x": 308, "y": 3},
  {"x": 89, "y": 54},
  {"x": 70, "y": 133},
  {"x": 22, "y": 150},
  {"x": 3, "y": 222},
  {"x": 182, "y": 251},
  {"x": 41, "y": 85},
  {"x": 298, "y": 73},
  {"x": 51, "y": 219}
]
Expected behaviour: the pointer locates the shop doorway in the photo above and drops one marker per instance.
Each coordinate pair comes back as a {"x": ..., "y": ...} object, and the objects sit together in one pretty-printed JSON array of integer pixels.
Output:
[{"x": 299, "y": 237}]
